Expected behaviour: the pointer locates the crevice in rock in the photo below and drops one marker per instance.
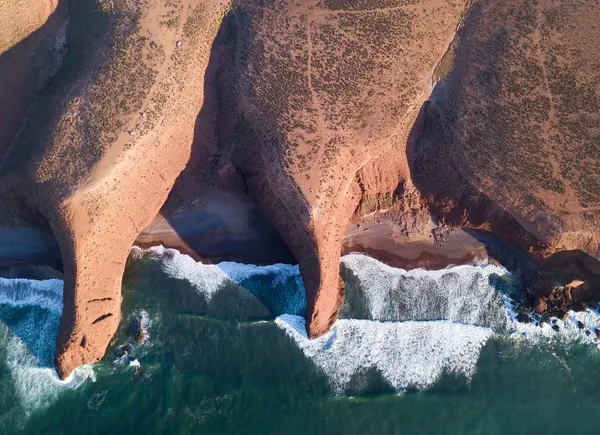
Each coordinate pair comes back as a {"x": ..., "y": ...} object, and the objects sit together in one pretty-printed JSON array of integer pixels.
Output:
[
  {"x": 102, "y": 317},
  {"x": 100, "y": 300}
]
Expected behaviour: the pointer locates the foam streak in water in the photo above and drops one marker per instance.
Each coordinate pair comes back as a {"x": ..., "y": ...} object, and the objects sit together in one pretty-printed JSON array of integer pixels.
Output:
[
  {"x": 47, "y": 294},
  {"x": 30, "y": 313},
  {"x": 407, "y": 354},
  {"x": 281, "y": 283}
]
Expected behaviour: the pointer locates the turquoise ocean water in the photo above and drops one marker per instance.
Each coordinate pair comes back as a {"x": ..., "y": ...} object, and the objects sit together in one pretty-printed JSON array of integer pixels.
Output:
[{"x": 413, "y": 352}]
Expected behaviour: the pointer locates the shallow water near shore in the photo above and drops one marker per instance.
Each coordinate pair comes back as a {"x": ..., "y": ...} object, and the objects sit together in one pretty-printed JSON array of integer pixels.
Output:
[{"x": 225, "y": 352}]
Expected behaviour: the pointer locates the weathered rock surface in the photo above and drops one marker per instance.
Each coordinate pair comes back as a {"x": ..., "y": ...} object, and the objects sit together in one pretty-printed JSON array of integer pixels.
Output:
[
  {"x": 310, "y": 93},
  {"x": 509, "y": 140},
  {"x": 103, "y": 145},
  {"x": 430, "y": 114}
]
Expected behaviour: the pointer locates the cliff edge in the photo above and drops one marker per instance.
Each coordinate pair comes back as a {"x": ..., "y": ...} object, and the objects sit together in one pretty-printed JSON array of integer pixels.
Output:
[
  {"x": 103, "y": 144},
  {"x": 309, "y": 115}
]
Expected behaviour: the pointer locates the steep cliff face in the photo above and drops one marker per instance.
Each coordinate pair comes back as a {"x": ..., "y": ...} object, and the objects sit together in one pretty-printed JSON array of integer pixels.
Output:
[
  {"x": 313, "y": 91},
  {"x": 515, "y": 125},
  {"x": 308, "y": 113},
  {"x": 32, "y": 44},
  {"x": 104, "y": 144}
]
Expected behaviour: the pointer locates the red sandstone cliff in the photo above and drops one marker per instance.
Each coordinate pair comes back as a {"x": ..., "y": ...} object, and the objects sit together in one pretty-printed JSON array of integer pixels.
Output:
[
  {"x": 312, "y": 114},
  {"x": 103, "y": 145},
  {"x": 311, "y": 93},
  {"x": 509, "y": 139}
]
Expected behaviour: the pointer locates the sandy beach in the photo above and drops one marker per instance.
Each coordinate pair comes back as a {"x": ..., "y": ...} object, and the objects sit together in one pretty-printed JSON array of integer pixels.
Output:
[
  {"x": 211, "y": 237},
  {"x": 226, "y": 230}
]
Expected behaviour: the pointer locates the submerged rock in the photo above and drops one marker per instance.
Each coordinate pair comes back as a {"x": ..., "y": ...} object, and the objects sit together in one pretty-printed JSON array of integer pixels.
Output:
[{"x": 142, "y": 325}]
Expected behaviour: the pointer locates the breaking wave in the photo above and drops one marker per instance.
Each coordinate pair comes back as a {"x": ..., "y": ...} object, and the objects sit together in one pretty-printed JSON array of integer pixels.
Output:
[
  {"x": 472, "y": 295},
  {"x": 279, "y": 286},
  {"x": 412, "y": 327},
  {"x": 409, "y": 327},
  {"x": 406, "y": 354},
  {"x": 30, "y": 313}
]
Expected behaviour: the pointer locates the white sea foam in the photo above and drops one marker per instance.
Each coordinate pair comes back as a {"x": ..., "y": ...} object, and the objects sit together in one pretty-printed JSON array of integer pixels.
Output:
[
  {"x": 577, "y": 326},
  {"x": 434, "y": 322},
  {"x": 413, "y": 326},
  {"x": 476, "y": 295},
  {"x": 464, "y": 294},
  {"x": 38, "y": 387},
  {"x": 30, "y": 313},
  {"x": 406, "y": 354},
  {"x": 283, "y": 286},
  {"x": 46, "y": 294}
]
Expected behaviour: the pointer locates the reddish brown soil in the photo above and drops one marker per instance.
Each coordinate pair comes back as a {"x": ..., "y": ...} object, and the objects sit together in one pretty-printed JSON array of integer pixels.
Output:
[
  {"x": 102, "y": 147},
  {"x": 316, "y": 116}
]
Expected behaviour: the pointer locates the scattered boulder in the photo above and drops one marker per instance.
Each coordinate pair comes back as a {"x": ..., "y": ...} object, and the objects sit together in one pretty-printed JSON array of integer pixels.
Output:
[
  {"x": 575, "y": 283},
  {"x": 141, "y": 335},
  {"x": 142, "y": 327},
  {"x": 539, "y": 306}
]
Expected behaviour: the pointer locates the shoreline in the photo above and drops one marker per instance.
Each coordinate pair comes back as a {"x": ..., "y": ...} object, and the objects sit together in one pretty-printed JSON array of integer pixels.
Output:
[
  {"x": 379, "y": 240},
  {"x": 211, "y": 240},
  {"x": 383, "y": 241}
]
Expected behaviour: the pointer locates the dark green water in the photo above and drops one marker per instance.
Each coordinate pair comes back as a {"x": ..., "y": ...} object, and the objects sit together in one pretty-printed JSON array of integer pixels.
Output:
[{"x": 215, "y": 369}]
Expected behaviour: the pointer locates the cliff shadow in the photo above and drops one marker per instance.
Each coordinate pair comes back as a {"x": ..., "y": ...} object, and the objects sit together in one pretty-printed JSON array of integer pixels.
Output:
[
  {"x": 212, "y": 207},
  {"x": 26, "y": 70},
  {"x": 35, "y": 327},
  {"x": 438, "y": 173},
  {"x": 441, "y": 172}
]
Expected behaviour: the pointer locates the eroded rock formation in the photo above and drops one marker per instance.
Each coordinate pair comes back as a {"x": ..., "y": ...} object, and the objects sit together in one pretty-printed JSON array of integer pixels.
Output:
[
  {"x": 310, "y": 93},
  {"x": 312, "y": 114},
  {"x": 514, "y": 122},
  {"x": 103, "y": 145}
]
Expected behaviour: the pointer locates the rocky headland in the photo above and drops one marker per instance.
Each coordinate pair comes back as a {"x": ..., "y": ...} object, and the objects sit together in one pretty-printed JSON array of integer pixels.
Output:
[{"x": 425, "y": 133}]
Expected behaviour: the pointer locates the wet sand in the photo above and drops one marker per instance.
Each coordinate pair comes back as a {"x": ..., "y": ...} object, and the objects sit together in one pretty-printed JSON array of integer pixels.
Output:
[
  {"x": 212, "y": 237},
  {"x": 228, "y": 231},
  {"x": 223, "y": 228},
  {"x": 383, "y": 242}
]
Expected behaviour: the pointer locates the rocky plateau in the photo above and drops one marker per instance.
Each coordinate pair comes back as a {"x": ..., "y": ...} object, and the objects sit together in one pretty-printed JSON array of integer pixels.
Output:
[{"x": 292, "y": 131}]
